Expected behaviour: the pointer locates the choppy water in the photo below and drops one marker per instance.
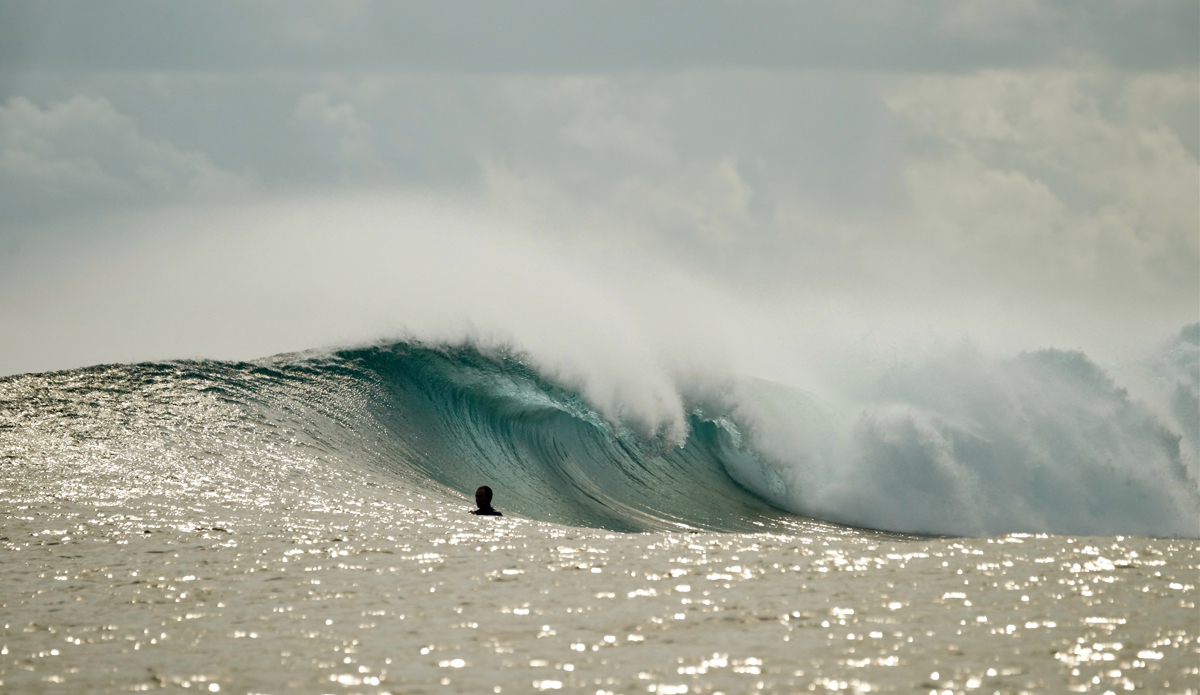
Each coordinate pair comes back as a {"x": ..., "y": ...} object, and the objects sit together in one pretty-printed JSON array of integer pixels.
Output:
[{"x": 297, "y": 525}]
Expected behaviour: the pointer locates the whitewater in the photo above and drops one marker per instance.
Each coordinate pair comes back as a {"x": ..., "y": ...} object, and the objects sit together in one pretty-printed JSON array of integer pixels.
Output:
[{"x": 300, "y": 524}]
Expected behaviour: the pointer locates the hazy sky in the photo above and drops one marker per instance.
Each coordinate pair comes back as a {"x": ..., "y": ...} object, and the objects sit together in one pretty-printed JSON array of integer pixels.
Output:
[{"x": 232, "y": 179}]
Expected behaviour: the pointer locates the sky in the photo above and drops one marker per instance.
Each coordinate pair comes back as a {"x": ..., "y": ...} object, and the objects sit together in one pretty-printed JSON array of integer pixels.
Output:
[{"x": 609, "y": 181}]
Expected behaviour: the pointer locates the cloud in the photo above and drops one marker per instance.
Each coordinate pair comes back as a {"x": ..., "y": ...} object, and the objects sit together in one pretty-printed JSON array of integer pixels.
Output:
[
  {"x": 1055, "y": 193},
  {"x": 1063, "y": 200},
  {"x": 1059, "y": 178},
  {"x": 82, "y": 151},
  {"x": 684, "y": 158}
]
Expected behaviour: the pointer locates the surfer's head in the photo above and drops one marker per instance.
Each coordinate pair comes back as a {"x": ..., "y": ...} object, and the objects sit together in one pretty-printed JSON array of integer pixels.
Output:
[{"x": 483, "y": 497}]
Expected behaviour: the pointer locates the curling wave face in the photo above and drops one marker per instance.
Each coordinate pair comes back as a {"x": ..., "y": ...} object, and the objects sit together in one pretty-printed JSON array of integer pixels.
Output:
[{"x": 461, "y": 419}]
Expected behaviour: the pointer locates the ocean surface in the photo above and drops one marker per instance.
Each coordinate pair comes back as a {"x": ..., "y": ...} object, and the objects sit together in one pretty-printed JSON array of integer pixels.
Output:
[{"x": 300, "y": 524}]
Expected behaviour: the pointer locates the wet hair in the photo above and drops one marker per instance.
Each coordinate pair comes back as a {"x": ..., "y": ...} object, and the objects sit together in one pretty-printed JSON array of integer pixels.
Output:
[{"x": 483, "y": 496}]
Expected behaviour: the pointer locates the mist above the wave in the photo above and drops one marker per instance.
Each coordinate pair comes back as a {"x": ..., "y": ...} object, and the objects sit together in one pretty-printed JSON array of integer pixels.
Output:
[
  {"x": 614, "y": 311},
  {"x": 293, "y": 273}
]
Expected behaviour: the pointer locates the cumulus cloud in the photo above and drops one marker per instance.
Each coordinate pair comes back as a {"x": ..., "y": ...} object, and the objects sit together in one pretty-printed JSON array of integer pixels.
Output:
[
  {"x": 1034, "y": 185},
  {"x": 83, "y": 150},
  {"x": 689, "y": 162},
  {"x": 1051, "y": 187}
]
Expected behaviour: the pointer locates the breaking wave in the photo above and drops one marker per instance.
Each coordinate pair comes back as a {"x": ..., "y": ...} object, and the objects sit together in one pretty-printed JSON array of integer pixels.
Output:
[{"x": 958, "y": 444}]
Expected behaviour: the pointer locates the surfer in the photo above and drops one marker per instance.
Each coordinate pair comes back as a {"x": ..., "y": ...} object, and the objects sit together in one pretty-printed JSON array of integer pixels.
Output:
[{"x": 483, "y": 498}]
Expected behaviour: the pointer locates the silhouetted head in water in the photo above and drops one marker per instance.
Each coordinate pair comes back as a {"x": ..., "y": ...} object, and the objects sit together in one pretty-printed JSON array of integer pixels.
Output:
[{"x": 483, "y": 498}]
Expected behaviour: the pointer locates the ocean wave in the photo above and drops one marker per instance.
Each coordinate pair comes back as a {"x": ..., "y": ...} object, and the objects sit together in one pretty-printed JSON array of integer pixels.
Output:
[{"x": 958, "y": 444}]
